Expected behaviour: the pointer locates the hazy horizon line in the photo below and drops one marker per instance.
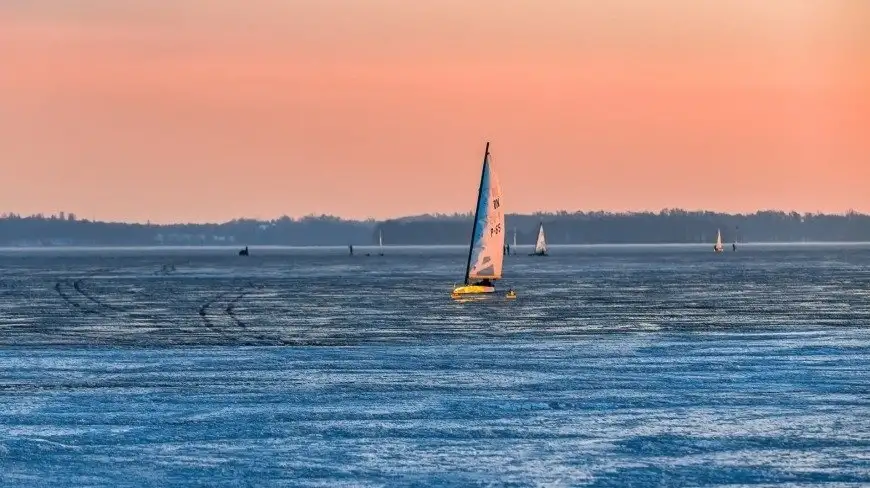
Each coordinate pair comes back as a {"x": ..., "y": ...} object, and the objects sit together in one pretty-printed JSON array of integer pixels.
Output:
[
  {"x": 343, "y": 247},
  {"x": 61, "y": 215}
]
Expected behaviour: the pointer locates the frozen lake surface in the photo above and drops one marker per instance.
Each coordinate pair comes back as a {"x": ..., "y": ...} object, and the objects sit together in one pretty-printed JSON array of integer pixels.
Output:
[{"x": 616, "y": 366}]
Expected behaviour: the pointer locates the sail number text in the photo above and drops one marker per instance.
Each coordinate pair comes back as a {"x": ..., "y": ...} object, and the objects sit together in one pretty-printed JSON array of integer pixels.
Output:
[
  {"x": 495, "y": 230},
  {"x": 495, "y": 204}
]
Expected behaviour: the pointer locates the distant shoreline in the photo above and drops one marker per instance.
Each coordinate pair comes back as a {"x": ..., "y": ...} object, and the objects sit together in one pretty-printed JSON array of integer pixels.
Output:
[
  {"x": 386, "y": 248},
  {"x": 588, "y": 228}
]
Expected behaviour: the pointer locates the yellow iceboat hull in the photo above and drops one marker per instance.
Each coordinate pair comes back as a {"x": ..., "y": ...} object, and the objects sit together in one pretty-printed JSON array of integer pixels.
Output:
[{"x": 470, "y": 291}]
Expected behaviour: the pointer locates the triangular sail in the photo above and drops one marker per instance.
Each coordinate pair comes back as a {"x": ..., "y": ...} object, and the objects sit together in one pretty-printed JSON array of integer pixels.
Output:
[
  {"x": 541, "y": 244},
  {"x": 718, "y": 239},
  {"x": 380, "y": 238},
  {"x": 487, "y": 244},
  {"x": 515, "y": 237}
]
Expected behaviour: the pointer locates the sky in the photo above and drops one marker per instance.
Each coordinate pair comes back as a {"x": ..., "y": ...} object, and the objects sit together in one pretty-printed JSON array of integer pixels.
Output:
[{"x": 207, "y": 110}]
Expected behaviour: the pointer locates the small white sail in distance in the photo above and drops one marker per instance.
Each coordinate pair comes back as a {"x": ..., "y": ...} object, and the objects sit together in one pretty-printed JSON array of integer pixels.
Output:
[
  {"x": 541, "y": 244},
  {"x": 487, "y": 249},
  {"x": 718, "y": 246},
  {"x": 380, "y": 238}
]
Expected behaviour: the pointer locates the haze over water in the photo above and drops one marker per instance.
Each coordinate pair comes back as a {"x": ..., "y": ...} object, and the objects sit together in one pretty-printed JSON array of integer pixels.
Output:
[{"x": 303, "y": 367}]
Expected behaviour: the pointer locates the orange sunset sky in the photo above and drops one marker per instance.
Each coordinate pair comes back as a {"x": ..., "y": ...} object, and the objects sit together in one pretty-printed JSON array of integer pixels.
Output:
[{"x": 206, "y": 110}]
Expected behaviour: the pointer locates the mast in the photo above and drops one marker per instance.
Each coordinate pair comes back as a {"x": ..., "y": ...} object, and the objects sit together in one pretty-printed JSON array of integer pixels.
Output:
[{"x": 476, "y": 209}]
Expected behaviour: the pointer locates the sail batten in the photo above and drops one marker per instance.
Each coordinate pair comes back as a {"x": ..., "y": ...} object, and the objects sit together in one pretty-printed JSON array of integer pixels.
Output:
[{"x": 487, "y": 244}]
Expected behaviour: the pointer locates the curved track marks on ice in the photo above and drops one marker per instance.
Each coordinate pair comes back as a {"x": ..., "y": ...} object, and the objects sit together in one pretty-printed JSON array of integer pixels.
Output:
[
  {"x": 77, "y": 285},
  {"x": 98, "y": 306},
  {"x": 69, "y": 300},
  {"x": 204, "y": 315},
  {"x": 228, "y": 310}
]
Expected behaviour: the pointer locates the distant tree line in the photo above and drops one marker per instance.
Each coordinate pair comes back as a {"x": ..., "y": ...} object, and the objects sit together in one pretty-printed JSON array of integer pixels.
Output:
[
  {"x": 667, "y": 226},
  {"x": 308, "y": 231}
]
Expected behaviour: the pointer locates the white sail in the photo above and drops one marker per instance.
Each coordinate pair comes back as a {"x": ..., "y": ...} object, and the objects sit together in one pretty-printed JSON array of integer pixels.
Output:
[
  {"x": 487, "y": 248},
  {"x": 541, "y": 244},
  {"x": 515, "y": 237},
  {"x": 718, "y": 240},
  {"x": 380, "y": 238}
]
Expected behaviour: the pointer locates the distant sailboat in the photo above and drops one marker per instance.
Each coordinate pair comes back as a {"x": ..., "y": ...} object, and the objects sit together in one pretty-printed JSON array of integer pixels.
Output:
[
  {"x": 718, "y": 246},
  {"x": 486, "y": 251},
  {"x": 381, "y": 241},
  {"x": 541, "y": 244}
]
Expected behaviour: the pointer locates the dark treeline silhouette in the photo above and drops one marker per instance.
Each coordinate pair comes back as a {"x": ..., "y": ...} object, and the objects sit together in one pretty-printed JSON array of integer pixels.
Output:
[
  {"x": 667, "y": 226},
  {"x": 308, "y": 231}
]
